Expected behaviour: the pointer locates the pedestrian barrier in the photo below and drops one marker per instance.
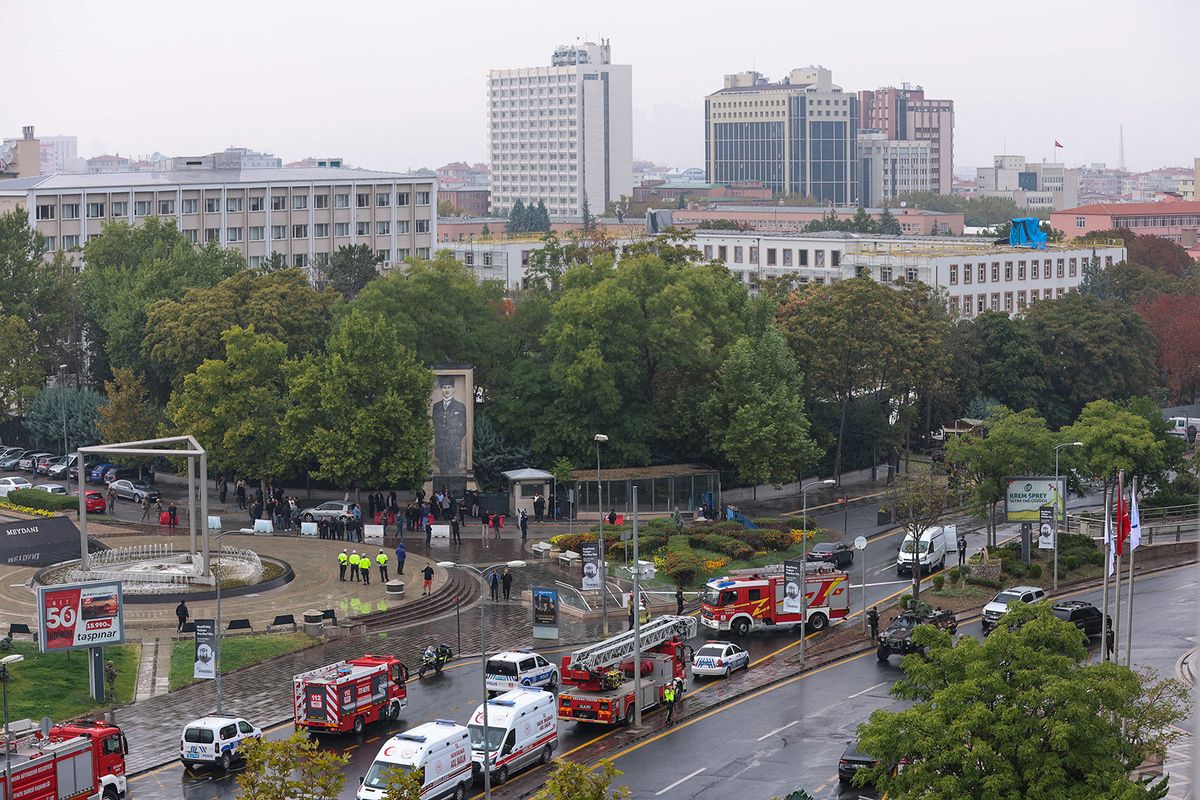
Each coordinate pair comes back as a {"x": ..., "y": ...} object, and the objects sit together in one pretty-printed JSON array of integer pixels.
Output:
[
  {"x": 188, "y": 627},
  {"x": 21, "y": 628},
  {"x": 242, "y": 624},
  {"x": 282, "y": 621}
]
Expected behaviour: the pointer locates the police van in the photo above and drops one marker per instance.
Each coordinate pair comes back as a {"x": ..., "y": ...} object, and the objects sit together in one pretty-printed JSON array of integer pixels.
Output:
[
  {"x": 439, "y": 752},
  {"x": 522, "y": 729},
  {"x": 519, "y": 668},
  {"x": 215, "y": 740}
]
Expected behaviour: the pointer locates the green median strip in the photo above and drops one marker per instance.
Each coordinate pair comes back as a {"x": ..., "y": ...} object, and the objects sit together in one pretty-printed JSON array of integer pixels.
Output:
[{"x": 236, "y": 651}]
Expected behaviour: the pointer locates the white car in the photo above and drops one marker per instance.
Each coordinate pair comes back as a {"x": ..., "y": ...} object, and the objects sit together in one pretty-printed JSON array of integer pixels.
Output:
[
  {"x": 215, "y": 740},
  {"x": 8, "y": 484},
  {"x": 996, "y": 609},
  {"x": 52, "y": 488},
  {"x": 719, "y": 658},
  {"x": 514, "y": 669},
  {"x": 330, "y": 510}
]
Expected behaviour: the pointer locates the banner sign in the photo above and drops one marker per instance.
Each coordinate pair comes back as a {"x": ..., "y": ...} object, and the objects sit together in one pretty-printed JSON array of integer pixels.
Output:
[
  {"x": 589, "y": 553},
  {"x": 1024, "y": 497},
  {"x": 206, "y": 650},
  {"x": 545, "y": 613},
  {"x": 38, "y": 542},
  {"x": 80, "y": 615},
  {"x": 1047, "y": 534},
  {"x": 793, "y": 579}
]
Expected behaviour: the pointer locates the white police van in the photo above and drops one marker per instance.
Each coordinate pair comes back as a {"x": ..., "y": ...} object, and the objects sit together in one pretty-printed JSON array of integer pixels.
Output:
[
  {"x": 215, "y": 739},
  {"x": 719, "y": 658},
  {"x": 515, "y": 669}
]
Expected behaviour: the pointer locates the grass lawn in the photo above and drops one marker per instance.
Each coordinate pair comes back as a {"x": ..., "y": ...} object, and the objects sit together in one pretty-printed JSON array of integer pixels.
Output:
[
  {"x": 55, "y": 685},
  {"x": 236, "y": 651}
]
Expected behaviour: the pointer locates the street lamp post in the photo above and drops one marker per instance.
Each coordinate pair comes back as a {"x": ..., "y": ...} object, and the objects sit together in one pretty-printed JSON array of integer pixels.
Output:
[
  {"x": 217, "y": 627},
  {"x": 482, "y": 572},
  {"x": 62, "y": 401},
  {"x": 1056, "y": 448},
  {"x": 4, "y": 662},
  {"x": 804, "y": 561},
  {"x": 601, "y": 438}
]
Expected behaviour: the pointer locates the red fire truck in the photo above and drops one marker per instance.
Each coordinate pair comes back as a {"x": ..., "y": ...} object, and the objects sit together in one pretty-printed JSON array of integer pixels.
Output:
[
  {"x": 750, "y": 599},
  {"x": 348, "y": 695},
  {"x": 597, "y": 681},
  {"x": 82, "y": 758}
]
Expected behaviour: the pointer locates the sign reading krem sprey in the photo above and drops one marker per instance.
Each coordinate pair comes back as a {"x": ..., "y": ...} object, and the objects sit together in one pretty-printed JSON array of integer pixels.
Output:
[{"x": 1025, "y": 496}]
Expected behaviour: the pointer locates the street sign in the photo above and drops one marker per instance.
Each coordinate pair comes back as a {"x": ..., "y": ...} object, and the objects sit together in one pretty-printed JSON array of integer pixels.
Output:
[{"x": 860, "y": 543}]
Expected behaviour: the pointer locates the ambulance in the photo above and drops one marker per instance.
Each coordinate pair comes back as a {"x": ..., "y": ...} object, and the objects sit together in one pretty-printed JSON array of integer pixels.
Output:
[
  {"x": 439, "y": 752},
  {"x": 522, "y": 729}
]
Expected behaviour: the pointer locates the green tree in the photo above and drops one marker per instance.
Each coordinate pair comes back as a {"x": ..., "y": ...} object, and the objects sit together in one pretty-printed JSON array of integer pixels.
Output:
[
  {"x": 360, "y": 410},
  {"x": 1016, "y": 444},
  {"x": 571, "y": 780},
  {"x": 127, "y": 414},
  {"x": 234, "y": 406},
  {"x": 351, "y": 268},
  {"x": 181, "y": 334},
  {"x": 1093, "y": 349},
  {"x": 493, "y": 456},
  {"x": 402, "y": 784},
  {"x": 295, "y": 768},
  {"x": 888, "y": 223},
  {"x": 44, "y": 419},
  {"x": 485, "y": 230},
  {"x": 516, "y": 217},
  {"x": 918, "y": 502},
  {"x": 755, "y": 412},
  {"x": 1003, "y": 359},
  {"x": 541, "y": 220},
  {"x": 589, "y": 222},
  {"x": 1113, "y": 439},
  {"x": 20, "y": 374},
  {"x": 1018, "y": 715}
]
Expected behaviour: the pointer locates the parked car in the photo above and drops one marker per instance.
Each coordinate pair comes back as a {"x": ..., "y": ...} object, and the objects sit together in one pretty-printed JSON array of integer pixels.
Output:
[
  {"x": 835, "y": 553},
  {"x": 52, "y": 488},
  {"x": 719, "y": 658},
  {"x": 8, "y": 484},
  {"x": 12, "y": 457},
  {"x": 852, "y": 761},
  {"x": 94, "y": 501},
  {"x": 96, "y": 473},
  {"x": 328, "y": 510},
  {"x": 45, "y": 462},
  {"x": 996, "y": 609},
  {"x": 28, "y": 463},
  {"x": 7, "y": 451},
  {"x": 64, "y": 467},
  {"x": 127, "y": 473},
  {"x": 134, "y": 490}
]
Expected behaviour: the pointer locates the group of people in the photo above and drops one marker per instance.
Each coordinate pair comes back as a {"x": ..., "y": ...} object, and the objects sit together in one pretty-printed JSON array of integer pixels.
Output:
[
  {"x": 358, "y": 566},
  {"x": 168, "y": 516},
  {"x": 498, "y": 581}
]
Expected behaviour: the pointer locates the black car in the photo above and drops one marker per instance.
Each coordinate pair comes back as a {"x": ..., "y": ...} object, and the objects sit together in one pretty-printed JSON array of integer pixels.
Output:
[
  {"x": 835, "y": 553},
  {"x": 852, "y": 761},
  {"x": 1082, "y": 615}
]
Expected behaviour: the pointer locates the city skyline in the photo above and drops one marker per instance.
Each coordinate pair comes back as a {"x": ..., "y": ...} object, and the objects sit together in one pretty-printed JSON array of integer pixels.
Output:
[{"x": 193, "y": 83}]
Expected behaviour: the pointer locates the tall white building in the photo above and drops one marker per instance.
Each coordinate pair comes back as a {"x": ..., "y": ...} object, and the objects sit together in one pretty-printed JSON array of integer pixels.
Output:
[
  {"x": 893, "y": 167},
  {"x": 60, "y": 154},
  {"x": 561, "y": 133},
  {"x": 1029, "y": 185}
]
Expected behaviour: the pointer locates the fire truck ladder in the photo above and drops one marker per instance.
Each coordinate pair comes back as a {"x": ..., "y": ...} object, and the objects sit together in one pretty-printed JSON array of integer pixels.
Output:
[{"x": 621, "y": 647}]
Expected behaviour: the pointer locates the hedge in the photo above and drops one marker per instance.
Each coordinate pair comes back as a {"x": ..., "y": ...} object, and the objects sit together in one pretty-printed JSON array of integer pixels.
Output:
[
  {"x": 36, "y": 498},
  {"x": 978, "y": 580}
]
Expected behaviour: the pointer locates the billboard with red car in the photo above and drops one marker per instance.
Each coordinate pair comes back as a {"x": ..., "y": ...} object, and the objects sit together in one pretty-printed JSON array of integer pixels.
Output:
[{"x": 80, "y": 615}]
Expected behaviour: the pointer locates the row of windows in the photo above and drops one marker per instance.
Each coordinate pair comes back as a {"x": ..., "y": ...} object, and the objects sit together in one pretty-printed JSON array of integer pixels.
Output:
[
  {"x": 982, "y": 302},
  {"x": 212, "y": 205},
  {"x": 1043, "y": 269},
  {"x": 1150, "y": 222},
  {"x": 775, "y": 256},
  {"x": 303, "y": 260}
]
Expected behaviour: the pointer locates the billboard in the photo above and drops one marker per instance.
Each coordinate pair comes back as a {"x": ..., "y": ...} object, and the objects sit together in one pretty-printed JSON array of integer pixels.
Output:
[
  {"x": 80, "y": 615},
  {"x": 589, "y": 555},
  {"x": 452, "y": 415},
  {"x": 793, "y": 579},
  {"x": 545, "y": 613},
  {"x": 39, "y": 542},
  {"x": 206, "y": 650},
  {"x": 1024, "y": 497}
]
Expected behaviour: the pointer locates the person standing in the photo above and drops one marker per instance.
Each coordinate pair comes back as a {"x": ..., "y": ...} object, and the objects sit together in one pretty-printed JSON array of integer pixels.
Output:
[
  {"x": 427, "y": 575},
  {"x": 494, "y": 585},
  {"x": 158, "y": 509},
  {"x": 401, "y": 555},
  {"x": 110, "y": 677},
  {"x": 181, "y": 614},
  {"x": 455, "y": 531},
  {"x": 679, "y": 601},
  {"x": 669, "y": 700},
  {"x": 382, "y": 560},
  {"x": 353, "y": 565},
  {"x": 364, "y": 566},
  {"x": 342, "y": 559},
  {"x": 173, "y": 515},
  {"x": 486, "y": 524},
  {"x": 631, "y": 611},
  {"x": 873, "y": 622},
  {"x": 428, "y": 531},
  {"x": 145, "y": 509},
  {"x": 612, "y": 516},
  {"x": 523, "y": 524},
  {"x": 539, "y": 507},
  {"x": 111, "y": 497},
  {"x": 1110, "y": 641},
  {"x": 239, "y": 491},
  {"x": 323, "y": 528},
  {"x": 962, "y": 549},
  {"x": 497, "y": 524},
  {"x": 222, "y": 488},
  {"x": 506, "y": 582}
]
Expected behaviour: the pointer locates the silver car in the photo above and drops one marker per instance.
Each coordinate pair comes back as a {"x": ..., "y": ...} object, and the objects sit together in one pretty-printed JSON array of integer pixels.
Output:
[
  {"x": 331, "y": 509},
  {"x": 134, "y": 490}
]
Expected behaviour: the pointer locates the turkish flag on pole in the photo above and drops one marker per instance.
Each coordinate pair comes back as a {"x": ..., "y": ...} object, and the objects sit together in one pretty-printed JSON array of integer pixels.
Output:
[
  {"x": 1058, "y": 144},
  {"x": 1123, "y": 524}
]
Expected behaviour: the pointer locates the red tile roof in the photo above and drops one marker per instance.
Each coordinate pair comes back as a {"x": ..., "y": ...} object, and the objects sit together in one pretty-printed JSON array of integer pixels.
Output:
[{"x": 1125, "y": 209}]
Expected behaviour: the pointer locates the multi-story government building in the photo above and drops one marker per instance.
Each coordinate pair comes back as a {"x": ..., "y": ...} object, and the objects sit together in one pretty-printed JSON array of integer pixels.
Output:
[
  {"x": 561, "y": 133},
  {"x": 298, "y": 213}
]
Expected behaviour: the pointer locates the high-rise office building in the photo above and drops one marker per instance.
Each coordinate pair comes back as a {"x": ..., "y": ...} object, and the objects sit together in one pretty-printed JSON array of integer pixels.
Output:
[
  {"x": 1029, "y": 185},
  {"x": 891, "y": 167},
  {"x": 797, "y": 136},
  {"x": 906, "y": 114},
  {"x": 562, "y": 133}
]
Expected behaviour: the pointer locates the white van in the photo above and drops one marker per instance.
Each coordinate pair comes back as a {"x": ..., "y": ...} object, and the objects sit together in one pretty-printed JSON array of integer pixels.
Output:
[
  {"x": 522, "y": 730},
  {"x": 439, "y": 752},
  {"x": 215, "y": 740},
  {"x": 1180, "y": 425},
  {"x": 514, "y": 669},
  {"x": 930, "y": 551}
]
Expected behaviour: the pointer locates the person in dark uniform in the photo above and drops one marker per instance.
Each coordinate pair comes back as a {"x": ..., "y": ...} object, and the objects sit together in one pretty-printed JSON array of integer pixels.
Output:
[
  {"x": 679, "y": 600},
  {"x": 1110, "y": 642},
  {"x": 873, "y": 622},
  {"x": 962, "y": 550},
  {"x": 455, "y": 531},
  {"x": 181, "y": 614},
  {"x": 506, "y": 582},
  {"x": 343, "y": 558}
]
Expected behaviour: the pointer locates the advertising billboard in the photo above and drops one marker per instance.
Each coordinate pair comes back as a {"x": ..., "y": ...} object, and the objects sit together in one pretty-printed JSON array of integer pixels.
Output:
[
  {"x": 206, "y": 652},
  {"x": 1047, "y": 534},
  {"x": 545, "y": 613},
  {"x": 793, "y": 580},
  {"x": 80, "y": 615},
  {"x": 589, "y": 553},
  {"x": 1025, "y": 496}
]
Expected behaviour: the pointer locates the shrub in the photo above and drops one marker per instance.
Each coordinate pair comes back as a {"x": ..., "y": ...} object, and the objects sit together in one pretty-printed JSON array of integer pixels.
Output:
[
  {"x": 953, "y": 574},
  {"x": 939, "y": 581},
  {"x": 726, "y": 545},
  {"x": 1015, "y": 569},
  {"x": 1034, "y": 571},
  {"x": 774, "y": 523},
  {"x": 1069, "y": 562},
  {"x": 978, "y": 580},
  {"x": 904, "y": 600},
  {"x": 682, "y": 566},
  {"x": 44, "y": 501},
  {"x": 776, "y": 540}
]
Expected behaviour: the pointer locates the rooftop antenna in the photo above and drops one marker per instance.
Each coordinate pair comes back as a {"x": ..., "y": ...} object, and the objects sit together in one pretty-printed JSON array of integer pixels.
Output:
[{"x": 1121, "y": 151}]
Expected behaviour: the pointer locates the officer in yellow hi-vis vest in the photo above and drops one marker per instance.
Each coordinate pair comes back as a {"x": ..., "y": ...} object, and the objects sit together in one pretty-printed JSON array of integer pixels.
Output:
[
  {"x": 343, "y": 559},
  {"x": 382, "y": 560},
  {"x": 353, "y": 565}
]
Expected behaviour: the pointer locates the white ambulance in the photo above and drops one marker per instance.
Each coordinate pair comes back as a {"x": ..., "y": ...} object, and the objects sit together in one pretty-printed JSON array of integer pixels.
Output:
[
  {"x": 522, "y": 730},
  {"x": 439, "y": 752}
]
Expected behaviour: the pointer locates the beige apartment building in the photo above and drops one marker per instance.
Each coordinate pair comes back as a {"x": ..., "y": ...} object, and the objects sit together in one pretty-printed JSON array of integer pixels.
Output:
[{"x": 298, "y": 213}]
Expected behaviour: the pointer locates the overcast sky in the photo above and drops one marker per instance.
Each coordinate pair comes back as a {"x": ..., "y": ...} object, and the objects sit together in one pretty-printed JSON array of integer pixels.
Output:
[{"x": 390, "y": 84}]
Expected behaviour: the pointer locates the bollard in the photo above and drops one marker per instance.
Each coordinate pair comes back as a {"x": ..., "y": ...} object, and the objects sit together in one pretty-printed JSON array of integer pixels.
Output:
[
  {"x": 313, "y": 622},
  {"x": 395, "y": 589}
]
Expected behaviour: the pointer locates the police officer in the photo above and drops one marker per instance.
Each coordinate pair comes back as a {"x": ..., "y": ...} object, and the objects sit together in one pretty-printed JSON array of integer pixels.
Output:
[
  {"x": 342, "y": 560},
  {"x": 353, "y": 566},
  {"x": 669, "y": 700},
  {"x": 679, "y": 601},
  {"x": 873, "y": 622},
  {"x": 364, "y": 566},
  {"x": 382, "y": 560},
  {"x": 962, "y": 549},
  {"x": 1110, "y": 641}
]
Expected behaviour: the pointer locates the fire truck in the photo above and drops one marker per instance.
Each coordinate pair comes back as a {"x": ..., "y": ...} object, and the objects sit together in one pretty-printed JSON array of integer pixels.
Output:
[
  {"x": 597, "y": 681},
  {"x": 348, "y": 695},
  {"x": 82, "y": 758},
  {"x": 748, "y": 600}
]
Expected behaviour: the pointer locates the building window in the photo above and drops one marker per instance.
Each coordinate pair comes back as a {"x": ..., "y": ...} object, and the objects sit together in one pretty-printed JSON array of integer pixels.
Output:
[
  {"x": 770, "y": 256},
  {"x": 401, "y": 253},
  {"x": 362, "y": 228},
  {"x": 189, "y": 206},
  {"x": 401, "y": 198},
  {"x": 279, "y": 202},
  {"x": 423, "y": 253},
  {"x": 1020, "y": 270},
  {"x": 1080, "y": 222},
  {"x": 383, "y": 255},
  {"x": 299, "y": 202},
  {"x": 753, "y": 255},
  {"x": 1007, "y": 270},
  {"x": 383, "y": 228},
  {"x": 980, "y": 303},
  {"x": 45, "y": 211},
  {"x": 737, "y": 254},
  {"x": 1008, "y": 298},
  {"x": 70, "y": 242},
  {"x": 141, "y": 208},
  {"x": 120, "y": 208},
  {"x": 982, "y": 273},
  {"x": 341, "y": 201},
  {"x": 258, "y": 203},
  {"x": 707, "y": 248},
  {"x": 341, "y": 229},
  {"x": 51, "y": 244},
  {"x": 233, "y": 234},
  {"x": 787, "y": 256},
  {"x": 723, "y": 252},
  {"x": 70, "y": 211},
  {"x": 885, "y": 274},
  {"x": 383, "y": 199},
  {"x": 1073, "y": 268},
  {"x": 819, "y": 259},
  {"x": 1021, "y": 300},
  {"x": 299, "y": 231},
  {"x": 212, "y": 205},
  {"x": 910, "y": 274},
  {"x": 279, "y": 231},
  {"x": 256, "y": 233},
  {"x": 320, "y": 201},
  {"x": 954, "y": 306},
  {"x": 401, "y": 226},
  {"x": 1033, "y": 269},
  {"x": 166, "y": 208},
  {"x": 422, "y": 226},
  {"x": 300, "y": 260},
  {"x": 256, "y": 262},
  {"x": 995, "y": 301},
  {"x": 321, "y": 230},
  {"x": 1058, "y": 292},
  {"x": 1060, "y": 268},
  {"x": 835, "y": 258},
  {"x": 1108, "y": 261},
  {"x": 233, "y": 205},
  {"x": 363, "y": 200},
  {"x": 95, "y": 210},
  {"x": 212, "y": 235},
  {"x": 954, "y": 275},
  {"x": 995, "y": 272},
  {"x": 191, "y": 234},
  {"x": 422, "y": 198}
]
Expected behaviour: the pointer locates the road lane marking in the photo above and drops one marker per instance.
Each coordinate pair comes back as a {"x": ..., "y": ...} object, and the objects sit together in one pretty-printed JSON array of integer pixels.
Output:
[
  {"x": 778, "y": 730},
  {"x": 864, "y": 691},
  {"x": 880, "y": 583},
  {"x": 666, "y": 789}
]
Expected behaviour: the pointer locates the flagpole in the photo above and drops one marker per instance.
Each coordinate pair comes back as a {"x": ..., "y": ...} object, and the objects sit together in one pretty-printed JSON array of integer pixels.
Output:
[
  {"x": 1106, "y": 569},
  {"x": 1117, "y": 534},
  {"x": 1129, "y": 622}
]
